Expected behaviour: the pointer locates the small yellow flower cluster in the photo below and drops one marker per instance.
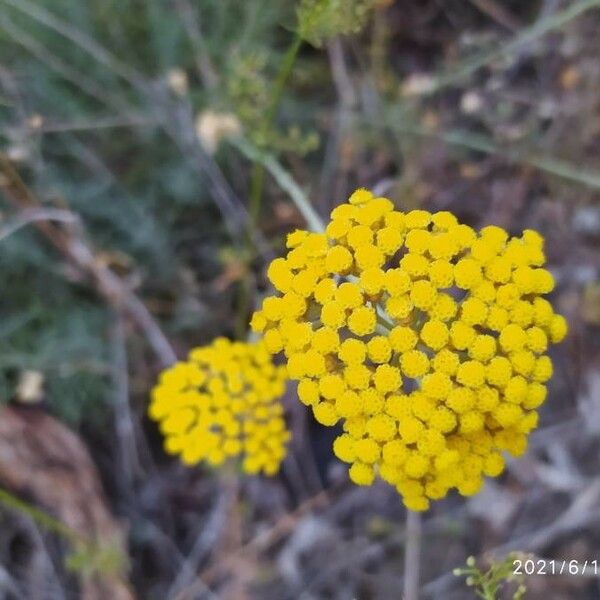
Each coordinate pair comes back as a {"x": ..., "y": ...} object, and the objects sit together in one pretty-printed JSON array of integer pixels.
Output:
[
  {"x": 426, "y": 338},
  {"x": 223, "y": 402}
]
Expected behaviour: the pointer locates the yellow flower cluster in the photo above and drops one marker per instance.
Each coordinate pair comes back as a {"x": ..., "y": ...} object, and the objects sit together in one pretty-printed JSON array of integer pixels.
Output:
[
  {"x": 425, "y": 338},
  {"x": 223, "y": 402}
]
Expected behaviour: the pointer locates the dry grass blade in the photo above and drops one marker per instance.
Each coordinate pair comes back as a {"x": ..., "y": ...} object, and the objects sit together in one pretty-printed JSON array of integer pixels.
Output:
[
  {"x": 497, "y": 12},
  {"x": 29, "y": 216},
  {"x": 552, "y": 22},
  {"x": 472, "y": 141},
  {"x": 81, "y": 40},
  {"x": 285, "y": 181},
  {"x": 74, "y": 247}
]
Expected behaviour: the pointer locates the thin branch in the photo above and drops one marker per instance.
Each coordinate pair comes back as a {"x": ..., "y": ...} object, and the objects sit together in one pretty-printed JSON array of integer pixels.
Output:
[
  {"x": 189, "y": 20},
  {"x": 330, "y": 185},
  {"x": 340, "y": 75},
  {"x": 9, "y": 585},
  {"x": 44, "y": 575},
  {"x": 74, "y": 247},
  {"x": 129, "y": 457},
  {"x": 285, "y": 70},
  {"x": 54, "y": 63},
  {"x": 497, "y": 12},
  {"x": 28, "y": 216},
  {"x": 118, "y": 294},
  {"x": 204, "y": 542},
  {"x": 581, "y": 513},
  {"x": 92, "y": 124},
  {"x": 266, "y": 539},
  {"x": 177, "y": 120}
]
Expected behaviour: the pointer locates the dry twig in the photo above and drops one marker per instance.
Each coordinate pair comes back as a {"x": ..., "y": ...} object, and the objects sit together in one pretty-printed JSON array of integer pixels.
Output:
[
  {"x": 72, "y": 244},
  {"x": 497, "y": 12},
  {"x": 268, "y": 538}
]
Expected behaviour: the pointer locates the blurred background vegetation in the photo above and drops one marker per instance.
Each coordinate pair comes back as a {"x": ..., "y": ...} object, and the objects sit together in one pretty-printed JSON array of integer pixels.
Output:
[{"x": 177, "y": 141}]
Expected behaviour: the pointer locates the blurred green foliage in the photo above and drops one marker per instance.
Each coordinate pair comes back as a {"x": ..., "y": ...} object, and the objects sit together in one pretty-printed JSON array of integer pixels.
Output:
[
  {"x": 249, "y": 90},
  {"x": 487, "y": 584},
  {"x": 319, "y": 20},
  {"x": 82, "y": 133},
  {"x": 93, "y": 106}
]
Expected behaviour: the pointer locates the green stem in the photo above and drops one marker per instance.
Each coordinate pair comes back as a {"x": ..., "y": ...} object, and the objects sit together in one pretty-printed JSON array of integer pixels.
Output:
[
  {"x": 40, "y": 517},
  {"x": 241, "y": 325},
  {"x": 257, "y": 176},
  {"x": 473, "y": 141},
  {"x": 284, "y": 179},
  {"x": 258, "y": 172}
]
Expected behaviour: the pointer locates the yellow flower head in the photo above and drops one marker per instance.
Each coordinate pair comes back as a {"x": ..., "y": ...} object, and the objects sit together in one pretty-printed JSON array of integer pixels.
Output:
[
  {"x": 223, "y": 402},
  {"x": 425, "y": 338}
]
